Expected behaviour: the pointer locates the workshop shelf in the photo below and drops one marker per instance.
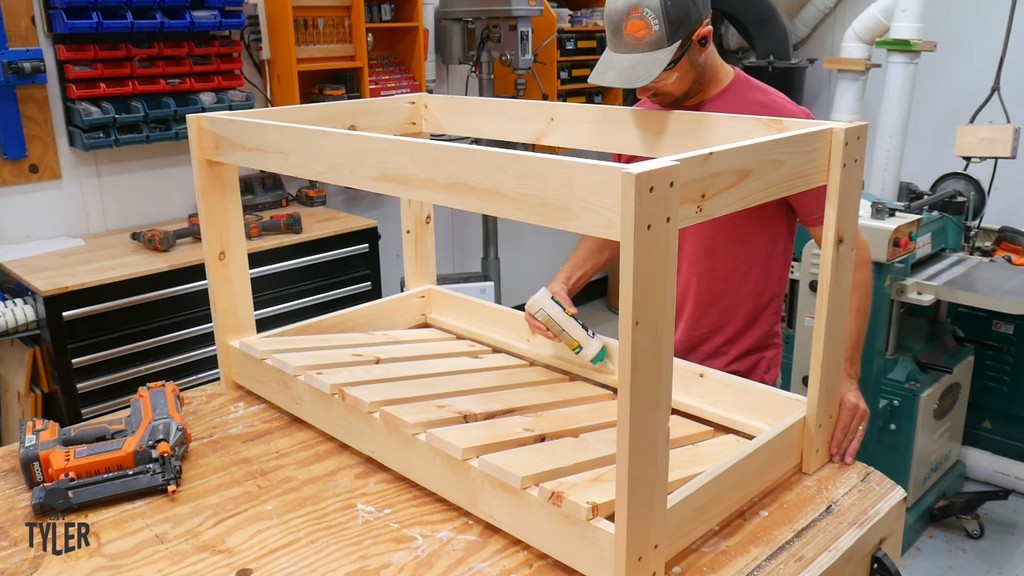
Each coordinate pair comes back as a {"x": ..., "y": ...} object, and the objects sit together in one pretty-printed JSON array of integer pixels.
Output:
[
  {"x": 185, "y": 104},
  {"x": 232, "y": 20},
  {"x": 143, "y": 66},
  {"x": 241, "y": 100},
  {"x": 224, "y": 3},
  {"x": 228, "y": 46},
  {"x": 143, "y": 3},
  {"x": 220, "y": 104},
  {"x": 173, "y": 66},
  {"x": 148, "y": 86},
  {"x": 130, "y": 135},
  {"x": 136, "y": 49},
  {"x": 202, "y": 47},
  {"x": 228, "y": 63},
  {"x": 203, "y": 64},
  {"x": 114, "y": 68},
  {"x": 175, "y": 3},
  {"x": 204, "y": 20},
  {"x": 72, "y": 4},
  {"x": 225, "y": 81},
  {"x": 160, "y": 132},
  {"x": 76, "y": 90},
  {"x": 177, "y": 84},
  {"x": 126, "y": 111},
  {"x": 176, "y": 20}
]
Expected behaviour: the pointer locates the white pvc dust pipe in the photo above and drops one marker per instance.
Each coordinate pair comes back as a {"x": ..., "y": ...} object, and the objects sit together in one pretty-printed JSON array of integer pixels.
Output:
[
  {"x": 810, "y": 16},
  {"x": 871, "y": 24},
  {"x": 987, "y": 467},
  {"x": 897, "y": 101}
]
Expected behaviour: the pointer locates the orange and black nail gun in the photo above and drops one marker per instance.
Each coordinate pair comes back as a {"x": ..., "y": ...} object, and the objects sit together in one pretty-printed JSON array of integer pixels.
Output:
[
  {"x": 91, "y": 462},
  {"x": 1008, "y": 245}
]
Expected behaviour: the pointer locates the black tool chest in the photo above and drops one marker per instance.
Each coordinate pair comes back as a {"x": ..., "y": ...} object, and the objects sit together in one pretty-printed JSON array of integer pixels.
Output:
[{"x": 104, "y": 341}]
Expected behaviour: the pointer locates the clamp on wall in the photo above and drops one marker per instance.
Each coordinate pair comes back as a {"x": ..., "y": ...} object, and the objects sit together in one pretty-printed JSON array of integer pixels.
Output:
[{"x": 18, "y": 67}]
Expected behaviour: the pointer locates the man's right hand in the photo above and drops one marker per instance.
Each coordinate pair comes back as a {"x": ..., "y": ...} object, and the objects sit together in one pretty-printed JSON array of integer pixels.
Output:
[{"x": 561, "y": 293}]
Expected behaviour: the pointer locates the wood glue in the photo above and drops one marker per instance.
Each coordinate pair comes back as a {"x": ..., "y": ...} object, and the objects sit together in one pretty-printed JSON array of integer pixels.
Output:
[{"x": 569, "y": 330}]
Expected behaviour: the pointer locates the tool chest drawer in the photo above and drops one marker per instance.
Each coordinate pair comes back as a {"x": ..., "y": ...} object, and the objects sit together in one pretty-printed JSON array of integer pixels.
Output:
[{"x": 105, "y": 340}]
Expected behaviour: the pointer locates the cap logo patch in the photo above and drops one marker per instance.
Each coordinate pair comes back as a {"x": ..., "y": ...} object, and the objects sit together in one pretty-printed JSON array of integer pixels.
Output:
[{"x": 640, "y": 25}]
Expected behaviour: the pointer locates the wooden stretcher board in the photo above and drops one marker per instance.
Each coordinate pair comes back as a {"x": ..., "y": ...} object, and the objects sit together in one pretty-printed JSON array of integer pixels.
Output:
[{"x": 702, "y": 166}]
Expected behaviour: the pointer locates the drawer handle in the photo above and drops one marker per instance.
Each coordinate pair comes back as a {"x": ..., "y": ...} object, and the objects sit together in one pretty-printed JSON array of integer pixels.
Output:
[
  {"x": 311, "y": 300},
  {"x": 201, "y": 285},
  {"x": 143, "y": 345},
  {"x": 145, "y": 369},
  {"x": 118, "y": 403}
]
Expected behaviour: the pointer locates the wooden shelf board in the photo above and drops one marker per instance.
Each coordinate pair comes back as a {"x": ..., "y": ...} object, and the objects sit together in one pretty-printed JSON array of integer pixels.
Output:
[
  {"x": 563, "y": 88},
  {"x": 578, "y": 58},
  {"x": 392, "y": 25},
  {"x": 328, "y": 65}
]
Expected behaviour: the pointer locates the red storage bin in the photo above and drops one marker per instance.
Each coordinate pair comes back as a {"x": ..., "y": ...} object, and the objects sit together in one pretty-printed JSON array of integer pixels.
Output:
[
  {"x": 147, "y": 67},
  {"x": 202, "y": 47},
  {"x": 116, "y": 68},
  {"x": 136, "y": 49},
  {"x": 200, "y": 83},
  {"x": 76, "y": 90},
  {"x": 80, "y": 70},
  {"x": 173, "y": 48},
  {"x": 228, "y": 63},
  {"x": 203, "y": 64},
  {"x": 177, "y": 84},
  {"x": 174, "y": 66},
  {"x": 111, "y": 51},
  {"x": 117, "y": 88},
  {"x": 148, "y": 85},
  {"x": 226, "y": 46},
  {"x": 230, "y": 81},
  {"x": 75, "y": 51}
]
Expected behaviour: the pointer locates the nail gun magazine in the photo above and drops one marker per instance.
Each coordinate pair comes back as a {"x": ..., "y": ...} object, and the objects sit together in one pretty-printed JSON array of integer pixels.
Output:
[{"x": 71, "y": 467}]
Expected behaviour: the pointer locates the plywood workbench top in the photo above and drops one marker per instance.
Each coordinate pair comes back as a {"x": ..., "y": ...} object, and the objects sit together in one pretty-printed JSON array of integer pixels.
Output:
[
  {"x": 265, "y": 494},
  {"x": 113, "y": 256}
]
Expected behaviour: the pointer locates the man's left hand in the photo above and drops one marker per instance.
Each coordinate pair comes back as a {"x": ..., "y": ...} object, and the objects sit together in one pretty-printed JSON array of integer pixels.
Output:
[{"x": 851, "y": 423}]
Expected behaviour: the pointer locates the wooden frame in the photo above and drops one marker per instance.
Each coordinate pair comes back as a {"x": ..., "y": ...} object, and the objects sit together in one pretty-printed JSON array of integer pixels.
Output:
[{"x": 703, "y": 166}]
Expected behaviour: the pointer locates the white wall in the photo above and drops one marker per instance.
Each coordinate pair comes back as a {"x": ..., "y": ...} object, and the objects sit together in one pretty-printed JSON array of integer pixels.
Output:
[{"x": 132, "y": 187}]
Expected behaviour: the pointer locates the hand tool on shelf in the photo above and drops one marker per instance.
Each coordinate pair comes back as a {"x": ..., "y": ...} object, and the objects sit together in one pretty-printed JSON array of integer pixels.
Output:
[
  {"x": 161, "y": 240},
  {"x": 283, "y": 223},
  {"x": 1007, "y": 245},
  {"x": 92, "y": 462}
]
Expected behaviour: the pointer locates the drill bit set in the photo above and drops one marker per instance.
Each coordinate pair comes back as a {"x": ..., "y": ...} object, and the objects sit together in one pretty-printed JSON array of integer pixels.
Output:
[{"x": 322, "y": 30}]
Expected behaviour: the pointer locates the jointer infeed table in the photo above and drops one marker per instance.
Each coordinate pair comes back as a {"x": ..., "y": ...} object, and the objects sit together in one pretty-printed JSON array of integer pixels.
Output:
[{"x": 611, "y": 473}]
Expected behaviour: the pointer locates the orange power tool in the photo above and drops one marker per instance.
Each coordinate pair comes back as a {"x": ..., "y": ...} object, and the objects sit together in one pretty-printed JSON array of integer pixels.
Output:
[
  {"x": 1008, "y": 245},
  {"x": 283, "y": 223},
  {"x": 67, "y": 468},
  {"x": 163, "y": 240}
]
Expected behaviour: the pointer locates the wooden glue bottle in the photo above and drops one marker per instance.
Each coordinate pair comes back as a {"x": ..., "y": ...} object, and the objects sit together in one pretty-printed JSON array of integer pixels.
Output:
[{"x": 567, "y": 327}]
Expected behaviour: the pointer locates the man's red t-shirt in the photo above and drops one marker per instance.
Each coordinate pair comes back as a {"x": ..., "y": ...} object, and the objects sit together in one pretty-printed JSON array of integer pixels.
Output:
[{"x": 733, "y": 270}]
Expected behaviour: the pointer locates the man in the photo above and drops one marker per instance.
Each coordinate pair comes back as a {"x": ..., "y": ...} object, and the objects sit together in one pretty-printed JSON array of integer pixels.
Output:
[{"x": 728, "y": 308}]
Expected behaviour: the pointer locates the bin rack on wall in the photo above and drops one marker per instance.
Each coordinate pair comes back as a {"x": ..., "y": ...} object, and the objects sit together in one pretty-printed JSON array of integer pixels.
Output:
[{"x": 132, "y": 70}]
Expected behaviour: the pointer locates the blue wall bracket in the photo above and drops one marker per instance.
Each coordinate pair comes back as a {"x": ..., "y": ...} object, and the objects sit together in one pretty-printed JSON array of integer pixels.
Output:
[{"x": 18, "y": 67}]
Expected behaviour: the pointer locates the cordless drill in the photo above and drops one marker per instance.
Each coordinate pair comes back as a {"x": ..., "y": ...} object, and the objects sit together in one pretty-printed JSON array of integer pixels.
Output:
[
  {"x": 1007, "y": 245},
  {"x": 283, "y": 223},
  {"x": 161, "y": 240},
  {"x": 67, "y": 468}
]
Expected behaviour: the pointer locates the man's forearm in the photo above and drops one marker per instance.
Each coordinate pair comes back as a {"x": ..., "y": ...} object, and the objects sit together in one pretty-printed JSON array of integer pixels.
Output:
[
  {"x": 860, "y": 309},
  {"x": 590, "y": 256}
]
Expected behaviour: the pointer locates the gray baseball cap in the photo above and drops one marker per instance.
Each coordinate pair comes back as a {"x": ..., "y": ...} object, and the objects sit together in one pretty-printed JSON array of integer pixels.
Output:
[{"x": 643, "y": 35}]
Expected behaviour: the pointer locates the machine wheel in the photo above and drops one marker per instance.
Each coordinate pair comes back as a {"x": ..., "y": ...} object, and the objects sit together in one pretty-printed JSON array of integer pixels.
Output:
[{"x": 973, "y": 526}]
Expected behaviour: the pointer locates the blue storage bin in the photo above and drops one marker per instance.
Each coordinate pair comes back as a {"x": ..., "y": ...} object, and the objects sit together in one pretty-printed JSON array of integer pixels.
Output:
[
  {"x": 111, "y": 3},
  {"x": 224, "y": 3},
  {"x": 115, "y": 20},
  {"x": 130, "y": 134},
  {"x": 146, "y": 20},
  {"x": 157, "y": 108},
  {"x": 91, "y": 139},
  {"x": 185, "y": 104},
  {"x": 175, "y": 3},
  {"x": 220, "y": 105},
  {"x": 180, "y": 130},
  {"x": 72, "y": 4},
  {"x": 240, "y": 100},
  {"x": 127, "y": 111},
  {"x": 143, "y": 3},
  {"x": 87, "y": 115},
  {"x": 161, "y": 131},
  {"x": 232, "y": 19},
  {"x": 204, "y": 20},
  {"x": 176, "y": 20},
  {"x": 74, "y": 21}
]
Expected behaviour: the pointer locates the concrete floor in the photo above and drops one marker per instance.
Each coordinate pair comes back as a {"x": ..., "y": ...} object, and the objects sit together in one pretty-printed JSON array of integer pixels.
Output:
[{"x": 944, "y": 548}]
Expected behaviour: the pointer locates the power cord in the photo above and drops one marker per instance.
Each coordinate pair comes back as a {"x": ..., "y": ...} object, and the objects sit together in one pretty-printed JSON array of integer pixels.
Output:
[{"x": 247, "y": 44}]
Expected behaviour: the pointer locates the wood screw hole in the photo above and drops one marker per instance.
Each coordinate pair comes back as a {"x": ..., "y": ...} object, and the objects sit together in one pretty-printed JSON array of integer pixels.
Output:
[
  {"x": 648, "y": 227},
  {"x": 651, "y": 191}
]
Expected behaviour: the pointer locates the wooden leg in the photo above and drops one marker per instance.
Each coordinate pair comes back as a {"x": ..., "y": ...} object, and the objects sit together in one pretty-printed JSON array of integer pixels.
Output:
[{"x": 418, "y": 245}]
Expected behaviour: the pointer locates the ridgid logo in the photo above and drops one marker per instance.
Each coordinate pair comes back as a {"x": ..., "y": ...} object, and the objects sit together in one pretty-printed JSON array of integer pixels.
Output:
[{"x": 56, "y": 536}]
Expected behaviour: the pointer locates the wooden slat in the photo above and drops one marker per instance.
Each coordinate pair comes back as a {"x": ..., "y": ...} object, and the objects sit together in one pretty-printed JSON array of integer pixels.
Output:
[
  {"x": 333, "y": 379},
  {"x": 388, "y": 115},
  {"x": 599, "y": 128},
  {"x": 420, "y": 416},
  {"x": 840, "y": 236},
  {"x": 537, "y": 463},
  {"x": 423, "y": 170},
  {"x": 299, "y": 362},
  {"x": 592, "y": 494},
  {"x": 471, "y": 440},
  {"x": 398, "y": 312},
  {"x": 263, "y": 347},
  {"x": 371, "y": 397}
]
